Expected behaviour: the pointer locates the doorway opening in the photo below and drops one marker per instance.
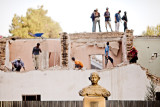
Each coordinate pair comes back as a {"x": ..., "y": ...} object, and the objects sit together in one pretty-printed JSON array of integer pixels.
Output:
[{"x": 96, "y": 61}]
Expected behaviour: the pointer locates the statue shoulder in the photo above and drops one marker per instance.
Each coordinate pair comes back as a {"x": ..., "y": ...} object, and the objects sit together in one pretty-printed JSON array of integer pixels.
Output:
[{"x": 84, "y": 91}]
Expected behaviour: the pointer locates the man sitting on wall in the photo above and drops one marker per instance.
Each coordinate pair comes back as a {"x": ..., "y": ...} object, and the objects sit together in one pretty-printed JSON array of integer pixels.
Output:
[
  {"x": 134, "y": 54},
  {"x": 78, "y": 64},
  {"x": 17, "y": 65}
]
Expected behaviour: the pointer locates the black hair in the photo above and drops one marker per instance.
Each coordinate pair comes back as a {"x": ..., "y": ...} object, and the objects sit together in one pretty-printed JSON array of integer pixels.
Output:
[
  {"x": 107, "y": 43},
  {"x": 73, "y": 58},
  {"x": 125, "y": 13},
  {"x": 38, "y": 44},
  {"x": 119, "y": 11}
]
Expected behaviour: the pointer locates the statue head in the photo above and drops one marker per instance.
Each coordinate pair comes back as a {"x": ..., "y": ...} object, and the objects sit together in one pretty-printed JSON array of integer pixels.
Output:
[{"x": 94, "y": 78}]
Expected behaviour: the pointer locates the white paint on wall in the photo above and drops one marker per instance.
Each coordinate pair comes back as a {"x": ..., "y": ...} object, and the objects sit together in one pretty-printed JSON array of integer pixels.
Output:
[{"x": 125, "y": 83}]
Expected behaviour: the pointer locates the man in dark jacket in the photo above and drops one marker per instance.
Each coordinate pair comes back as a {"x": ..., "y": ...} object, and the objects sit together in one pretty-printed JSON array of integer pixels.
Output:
[
  {"x": 93, "y": 18},
  {"x": 124, "y": 18},
  {"x": 35, "y": 55}
]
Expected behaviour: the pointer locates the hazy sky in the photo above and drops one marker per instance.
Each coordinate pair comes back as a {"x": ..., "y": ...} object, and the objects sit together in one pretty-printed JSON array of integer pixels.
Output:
[{"x": 74, "y": 15}]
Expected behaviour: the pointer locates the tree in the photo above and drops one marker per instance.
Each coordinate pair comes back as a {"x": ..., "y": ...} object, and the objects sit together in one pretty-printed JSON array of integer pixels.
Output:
[
  {"x": 152, "y": 31},
  {"x": 35, "y": 21},
  {"x": 151, "y": 92}
]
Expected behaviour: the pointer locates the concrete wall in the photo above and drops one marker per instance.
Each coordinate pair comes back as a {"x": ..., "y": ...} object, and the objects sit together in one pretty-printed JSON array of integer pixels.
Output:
[
  {"x": 125, "y": 83},
  {"x": 23, "y": 48},
  {"x": 146, "y": 46}
]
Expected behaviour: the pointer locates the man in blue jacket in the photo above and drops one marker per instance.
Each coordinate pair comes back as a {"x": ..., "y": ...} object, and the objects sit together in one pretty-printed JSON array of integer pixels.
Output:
[
  {"x": 107, "y": 56},
  {"x": 93, "y": 18},
  {"x": 17, "y": 64},
  {"x": 117, "y": 21}
]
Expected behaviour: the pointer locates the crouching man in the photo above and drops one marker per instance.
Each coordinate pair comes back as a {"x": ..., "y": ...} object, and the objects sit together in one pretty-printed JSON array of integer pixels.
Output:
[
  {"x": 17, "y": 64},
  {"x": 78, "y": 64}
]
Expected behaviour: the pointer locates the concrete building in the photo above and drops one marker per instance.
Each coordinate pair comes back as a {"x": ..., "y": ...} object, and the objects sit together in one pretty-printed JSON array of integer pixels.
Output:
[
  {"x": 125, "y": 82},
  {"x": 148, "y": 53}
]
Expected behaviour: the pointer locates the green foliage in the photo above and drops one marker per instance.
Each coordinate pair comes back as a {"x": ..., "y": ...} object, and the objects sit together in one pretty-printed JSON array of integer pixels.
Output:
[
  {"x": 35, "y": 21},
  {"x": 151, "y": 92},
  {"x": 152, "y": 31}
]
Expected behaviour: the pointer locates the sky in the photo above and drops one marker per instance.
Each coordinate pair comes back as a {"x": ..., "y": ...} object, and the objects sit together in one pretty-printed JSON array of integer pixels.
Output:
[{"x": 74, "y": 15}]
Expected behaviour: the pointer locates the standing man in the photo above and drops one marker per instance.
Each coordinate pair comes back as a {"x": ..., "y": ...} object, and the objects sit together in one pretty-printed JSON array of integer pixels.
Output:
[
  {"x": 107, "y": 19},
  {"x": 35, "y": 55},
  {"x": 124, "y": 18},
  {"x": 78, "y": 64},
  {"x": 93, "y": 20},
  {"x": 117, "y": 21},
  {"x": 17, "y": 65},
  {"x": 97, "y": 19},
  {"x": 107, "y": 55}
]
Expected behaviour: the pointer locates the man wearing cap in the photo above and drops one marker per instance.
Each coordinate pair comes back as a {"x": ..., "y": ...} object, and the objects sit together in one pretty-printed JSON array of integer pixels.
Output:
[
  {"x": 117, "y": 21},
  {"x": 93, "y": 20},
  {"x": 107, "y": 19},
  {"x": 17, "y": 65},
  {"x": 97, "y": 19},
  {"x": 35, "y": 55}
]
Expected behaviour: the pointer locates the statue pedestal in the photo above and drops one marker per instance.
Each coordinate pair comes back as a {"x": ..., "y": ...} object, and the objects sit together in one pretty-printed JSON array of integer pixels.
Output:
[{"x": 94, "y": 102}]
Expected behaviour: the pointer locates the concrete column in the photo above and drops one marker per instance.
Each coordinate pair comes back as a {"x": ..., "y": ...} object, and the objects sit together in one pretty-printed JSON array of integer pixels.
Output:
[
  {"x": 7, "y": 56},
  {"x": 124, "y": 49}
]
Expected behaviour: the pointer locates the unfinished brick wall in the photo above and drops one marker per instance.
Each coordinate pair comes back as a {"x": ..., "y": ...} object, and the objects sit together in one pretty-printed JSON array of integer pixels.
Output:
[
  {"x": 2, "y": 52},
  {"x": 96, "y": 37},
  {"x": 129, "y": 42},
  {"x": 64, "y": 49}
]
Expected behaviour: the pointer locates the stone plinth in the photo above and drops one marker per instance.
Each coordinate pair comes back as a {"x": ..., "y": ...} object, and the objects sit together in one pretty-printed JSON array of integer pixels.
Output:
[{"x": 94, "y": 102}]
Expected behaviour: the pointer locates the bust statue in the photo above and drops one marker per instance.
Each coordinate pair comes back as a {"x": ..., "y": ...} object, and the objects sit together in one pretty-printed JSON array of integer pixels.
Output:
[{"x": 94, "y": 89}]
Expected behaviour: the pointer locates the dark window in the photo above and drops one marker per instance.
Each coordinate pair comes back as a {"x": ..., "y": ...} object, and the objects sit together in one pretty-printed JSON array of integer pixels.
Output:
[
  {"x": 158, "y": 96},
  {"x": 31, "y": 97}
]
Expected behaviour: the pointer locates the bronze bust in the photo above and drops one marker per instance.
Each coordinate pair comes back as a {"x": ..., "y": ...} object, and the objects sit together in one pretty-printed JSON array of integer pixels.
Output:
[{"x": 94, "y": 89}]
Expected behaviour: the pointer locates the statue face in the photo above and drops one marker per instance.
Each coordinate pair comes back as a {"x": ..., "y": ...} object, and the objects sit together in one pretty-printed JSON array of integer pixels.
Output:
[{"x": 94, "y": 78}]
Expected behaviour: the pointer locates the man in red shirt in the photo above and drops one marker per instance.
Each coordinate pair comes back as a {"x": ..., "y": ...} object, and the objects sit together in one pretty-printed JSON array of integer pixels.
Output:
[{"x": 134, "y": 54}]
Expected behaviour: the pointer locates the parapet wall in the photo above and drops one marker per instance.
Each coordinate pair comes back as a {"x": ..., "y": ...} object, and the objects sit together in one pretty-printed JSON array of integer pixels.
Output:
[
  {"x": 96, "y": 37},
  {"x": 125, "y": 83}
]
